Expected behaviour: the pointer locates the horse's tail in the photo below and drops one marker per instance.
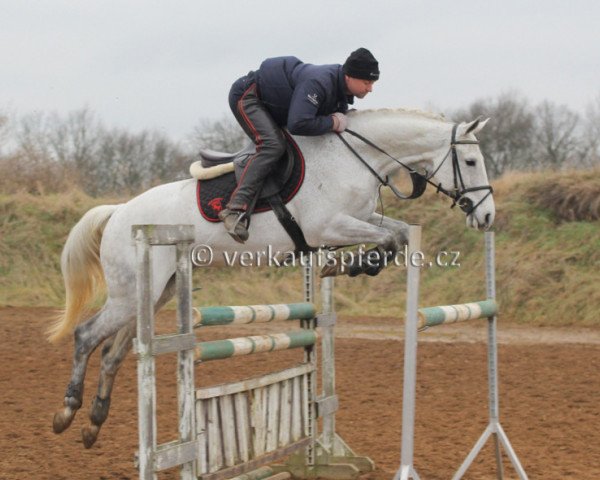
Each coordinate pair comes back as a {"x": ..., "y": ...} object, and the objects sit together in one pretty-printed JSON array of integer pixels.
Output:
[{"x": 81, "y": 269}]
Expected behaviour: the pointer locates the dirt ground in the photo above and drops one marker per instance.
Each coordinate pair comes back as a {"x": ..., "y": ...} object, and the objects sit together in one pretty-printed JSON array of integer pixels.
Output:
[{"x": 549, "y": 399}]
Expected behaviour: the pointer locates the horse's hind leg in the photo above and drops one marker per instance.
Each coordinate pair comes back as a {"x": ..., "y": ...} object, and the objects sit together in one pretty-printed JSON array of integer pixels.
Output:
[
  {"x": 113, "y": 354},
  {"x": 88, "y": 336},
  {"x": 74, "y": 394}
]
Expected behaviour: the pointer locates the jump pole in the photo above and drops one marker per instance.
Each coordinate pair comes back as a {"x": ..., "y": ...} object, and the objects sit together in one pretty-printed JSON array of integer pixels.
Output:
[{"x": 430, "y": 317}]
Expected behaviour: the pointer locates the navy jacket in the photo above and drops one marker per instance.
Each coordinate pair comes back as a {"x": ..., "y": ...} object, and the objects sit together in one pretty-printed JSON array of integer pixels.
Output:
[{"x": 302, "y": 96}]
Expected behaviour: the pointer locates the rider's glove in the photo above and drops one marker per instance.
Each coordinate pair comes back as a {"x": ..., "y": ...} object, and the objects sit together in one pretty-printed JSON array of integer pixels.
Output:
[{"x": 340, "y": 121}]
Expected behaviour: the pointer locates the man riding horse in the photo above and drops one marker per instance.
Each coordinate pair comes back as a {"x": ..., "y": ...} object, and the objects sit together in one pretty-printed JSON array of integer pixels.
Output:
[{"x": 285, "y": 92}]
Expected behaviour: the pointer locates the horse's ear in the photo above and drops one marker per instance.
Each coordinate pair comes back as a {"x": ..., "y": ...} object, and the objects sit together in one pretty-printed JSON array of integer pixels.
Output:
[{"x": 473, "y": 127}]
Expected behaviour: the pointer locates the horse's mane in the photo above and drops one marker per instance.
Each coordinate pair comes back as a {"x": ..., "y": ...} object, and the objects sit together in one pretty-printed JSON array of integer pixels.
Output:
[{"x": 401, "y": 111}]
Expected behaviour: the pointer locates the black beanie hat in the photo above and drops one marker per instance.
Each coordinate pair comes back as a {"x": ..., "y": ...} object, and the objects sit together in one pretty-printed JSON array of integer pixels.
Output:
[{"x": 362, "y": 64}]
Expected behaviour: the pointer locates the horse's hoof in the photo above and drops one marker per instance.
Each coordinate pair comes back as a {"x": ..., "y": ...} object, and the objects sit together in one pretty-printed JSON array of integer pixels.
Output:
[
  {"x": 62, "y": 420},
  {"x": 329, "y": 271},
  {"x": 89, "y": 435}
]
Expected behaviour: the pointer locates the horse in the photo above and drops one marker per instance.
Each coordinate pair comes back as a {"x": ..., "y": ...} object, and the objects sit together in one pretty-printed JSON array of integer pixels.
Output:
[{"x": 335, "y": 206}]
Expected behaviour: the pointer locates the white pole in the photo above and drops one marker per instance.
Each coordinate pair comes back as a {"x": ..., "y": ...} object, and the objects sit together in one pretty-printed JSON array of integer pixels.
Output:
[
  {"x": 490, "y": 276},
  {"x": 406, "y": 469},
  {"x": 328, "y": 362}
]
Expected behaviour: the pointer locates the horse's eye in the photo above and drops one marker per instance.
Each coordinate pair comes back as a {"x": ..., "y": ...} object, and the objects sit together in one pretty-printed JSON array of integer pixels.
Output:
[{"x": 470, "y": 163}]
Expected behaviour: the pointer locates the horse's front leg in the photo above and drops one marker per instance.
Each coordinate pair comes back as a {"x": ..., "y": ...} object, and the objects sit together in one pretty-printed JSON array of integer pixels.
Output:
[
  {"x": 376, "y": 259},
  {"x": 347, "y": 230},
  {"x": 398, "y": 227}
]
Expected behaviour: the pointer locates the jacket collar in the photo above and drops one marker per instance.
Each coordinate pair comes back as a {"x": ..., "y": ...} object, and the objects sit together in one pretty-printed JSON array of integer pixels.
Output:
[{"x": 342, "y": 95}]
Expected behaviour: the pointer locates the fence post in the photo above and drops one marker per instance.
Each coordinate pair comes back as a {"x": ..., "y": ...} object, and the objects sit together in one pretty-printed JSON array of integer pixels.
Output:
[
  {"x": 146, "y": 369},
  {"x": 328, "y": 363},
  {"x": 153, "y": 457},
  {"x": 490, "y": 277},
  {"x": 186, "y": 394},
  {"x": 406, "y": 469}
]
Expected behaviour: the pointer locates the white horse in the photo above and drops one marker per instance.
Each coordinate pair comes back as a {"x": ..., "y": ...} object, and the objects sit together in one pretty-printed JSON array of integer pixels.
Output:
[{"x": 334, "y": 207}]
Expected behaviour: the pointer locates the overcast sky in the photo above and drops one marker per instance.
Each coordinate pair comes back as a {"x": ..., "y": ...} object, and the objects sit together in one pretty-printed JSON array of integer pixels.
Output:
[{"x": 167, "y": 64}]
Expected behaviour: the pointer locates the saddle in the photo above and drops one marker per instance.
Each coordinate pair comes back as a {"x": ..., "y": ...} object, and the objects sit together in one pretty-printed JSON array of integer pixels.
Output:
[
  {"x": 218, "y": 174},
  {"x": 275, "y": 182}
]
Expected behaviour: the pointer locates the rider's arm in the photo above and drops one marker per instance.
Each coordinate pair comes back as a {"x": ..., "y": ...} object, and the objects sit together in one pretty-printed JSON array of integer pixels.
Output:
[{"x": 303, "y": 116}]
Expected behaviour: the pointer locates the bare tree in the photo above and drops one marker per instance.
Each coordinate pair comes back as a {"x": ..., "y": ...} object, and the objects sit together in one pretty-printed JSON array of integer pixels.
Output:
[
  {"x": 74, "y": 139},
  {"x": 556, "y": 135},
  {"x": 507, "y": 140},
  {"x": 167, "y": 161},
  {"x": 29, "y": 163},
  {"x": 129, "y": 163},
  {"x": 54, "y": 151},
  {"x": 590, "y": 137},
  {"x": 122, "y": 161},
  {"x": 221, "y": 135},
  {"x": 31, "y": 137},
  {"x": 70, "y": 142}
]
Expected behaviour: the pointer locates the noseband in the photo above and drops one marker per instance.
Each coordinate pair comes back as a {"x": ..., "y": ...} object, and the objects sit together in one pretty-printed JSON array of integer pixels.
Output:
[{"x": 420, "y": 181}]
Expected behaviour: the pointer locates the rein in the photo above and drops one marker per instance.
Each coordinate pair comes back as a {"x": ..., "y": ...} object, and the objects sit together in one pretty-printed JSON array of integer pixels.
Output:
[{"x": 420, "y": 181}]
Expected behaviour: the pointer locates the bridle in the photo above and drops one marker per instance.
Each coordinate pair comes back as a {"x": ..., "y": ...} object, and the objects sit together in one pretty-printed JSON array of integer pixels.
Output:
[
  {"x": 420, "y": 181},
  {"x": 457, "y": 194}
]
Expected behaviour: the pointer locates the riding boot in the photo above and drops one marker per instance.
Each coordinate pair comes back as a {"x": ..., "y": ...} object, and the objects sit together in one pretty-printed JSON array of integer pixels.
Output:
[
  {"x": 257, "y": 122},
  {"x": 236, "y": 224}
]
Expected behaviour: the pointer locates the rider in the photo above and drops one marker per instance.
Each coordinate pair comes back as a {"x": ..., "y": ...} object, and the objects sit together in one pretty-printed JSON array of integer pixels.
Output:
[{"x": 285, "y": 92}]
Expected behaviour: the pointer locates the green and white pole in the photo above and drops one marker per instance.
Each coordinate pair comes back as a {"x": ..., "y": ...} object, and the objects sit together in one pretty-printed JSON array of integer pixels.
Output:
[
  {"x": 235, "y": 347},
  {"x": 244, "y": 314}
]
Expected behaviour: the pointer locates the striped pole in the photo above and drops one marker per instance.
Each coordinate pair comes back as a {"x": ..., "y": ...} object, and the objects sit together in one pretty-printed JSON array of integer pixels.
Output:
[
  {"x": 234, "y": 347},
  {"x": 210, "y": 316},
  {"x": 431, "y": 316}
]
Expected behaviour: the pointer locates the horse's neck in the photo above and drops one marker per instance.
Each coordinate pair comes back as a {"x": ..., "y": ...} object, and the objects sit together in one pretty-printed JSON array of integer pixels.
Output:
[{"x": 407, "y": 137}]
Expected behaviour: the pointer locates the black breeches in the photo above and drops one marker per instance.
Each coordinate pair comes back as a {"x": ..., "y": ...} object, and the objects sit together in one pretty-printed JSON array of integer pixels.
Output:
[{"x": 270, "y": 142}]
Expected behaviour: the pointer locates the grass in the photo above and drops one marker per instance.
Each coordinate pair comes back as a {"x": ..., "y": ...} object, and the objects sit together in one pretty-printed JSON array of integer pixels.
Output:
[
  {"x": 547, "y": 254},
  {"x": 33, "y": 229}
]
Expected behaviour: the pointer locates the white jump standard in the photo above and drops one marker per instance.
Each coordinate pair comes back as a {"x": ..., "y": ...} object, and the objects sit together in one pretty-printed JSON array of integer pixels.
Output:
[{"x": 428, "y": 317}]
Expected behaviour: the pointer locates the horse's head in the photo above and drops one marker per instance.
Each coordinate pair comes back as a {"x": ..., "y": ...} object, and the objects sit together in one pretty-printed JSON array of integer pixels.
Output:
[{"x": 461, "y": 175}]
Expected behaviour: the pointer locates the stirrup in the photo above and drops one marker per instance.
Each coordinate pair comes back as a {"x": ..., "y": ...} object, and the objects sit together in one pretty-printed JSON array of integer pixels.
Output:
[{"x": 238, "y": 230}]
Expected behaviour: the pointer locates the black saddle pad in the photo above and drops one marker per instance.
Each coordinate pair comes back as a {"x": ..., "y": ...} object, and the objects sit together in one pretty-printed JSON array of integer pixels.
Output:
[{"x": 213, "y": 194}]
